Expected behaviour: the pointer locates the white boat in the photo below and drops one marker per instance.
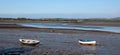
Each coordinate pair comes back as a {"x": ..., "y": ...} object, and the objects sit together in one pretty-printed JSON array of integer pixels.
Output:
[
  {"x": 87, "y": 42},
  {"x": 29, "y": 41}
]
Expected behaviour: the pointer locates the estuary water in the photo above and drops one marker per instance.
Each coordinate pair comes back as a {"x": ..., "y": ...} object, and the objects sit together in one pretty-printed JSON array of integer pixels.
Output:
[
  {"x": 68, "y": 26},
  {"x": 71, "y": 26}
]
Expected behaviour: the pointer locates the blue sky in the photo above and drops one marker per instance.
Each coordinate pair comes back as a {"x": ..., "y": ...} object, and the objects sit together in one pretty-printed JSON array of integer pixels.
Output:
[{"x": 60, "y": 8}]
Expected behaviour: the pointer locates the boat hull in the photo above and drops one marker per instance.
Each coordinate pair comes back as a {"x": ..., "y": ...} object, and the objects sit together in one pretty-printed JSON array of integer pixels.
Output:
[
  {"x": 88, "y": 42},
  {"x": 29, "y": 41}
]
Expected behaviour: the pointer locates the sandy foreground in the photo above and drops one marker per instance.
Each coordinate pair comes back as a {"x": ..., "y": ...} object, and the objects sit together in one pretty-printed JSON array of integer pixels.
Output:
[{"x": 58, "y": 41}]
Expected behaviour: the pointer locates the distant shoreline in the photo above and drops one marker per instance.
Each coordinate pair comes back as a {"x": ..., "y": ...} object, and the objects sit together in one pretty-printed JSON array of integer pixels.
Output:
[
  {"x": 91, "y": 22},
  {"x": 117, "y": 24},
  {"x": 94, "y": 21},
  {"x": 69, "y": 31}
]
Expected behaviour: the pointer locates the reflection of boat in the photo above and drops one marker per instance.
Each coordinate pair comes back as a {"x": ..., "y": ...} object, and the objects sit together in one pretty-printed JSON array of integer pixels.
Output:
[
  {"x": 88, "y": 49},
  {"x": 29, "y": 41},
  {"x": 87, "y": 42},
  {"x": 15, "y": 51}
]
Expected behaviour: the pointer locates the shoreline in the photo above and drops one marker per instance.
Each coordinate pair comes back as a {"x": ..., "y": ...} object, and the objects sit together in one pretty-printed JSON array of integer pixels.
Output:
[
  {"x": 117, "y": 24},
  {"x": 53, "y": 30}
]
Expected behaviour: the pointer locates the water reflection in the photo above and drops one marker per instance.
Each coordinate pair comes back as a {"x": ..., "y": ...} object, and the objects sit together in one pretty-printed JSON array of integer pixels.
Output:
[
  {"x": 88, "y": 49},
  {"x": 15, "y": 51},
  {"x": 25, "y": 45}
]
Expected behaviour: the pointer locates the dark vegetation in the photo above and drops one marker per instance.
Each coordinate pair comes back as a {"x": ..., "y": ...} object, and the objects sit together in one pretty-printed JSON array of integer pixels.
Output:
[
  {"x": 102, "y": 20},
  {"x": 37, "y": 20},
  {"x": 60, "y": 20}
]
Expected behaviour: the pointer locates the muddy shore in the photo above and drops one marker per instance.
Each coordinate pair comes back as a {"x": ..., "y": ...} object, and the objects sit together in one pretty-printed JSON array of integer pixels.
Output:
[{"x": 59, "y": 41}]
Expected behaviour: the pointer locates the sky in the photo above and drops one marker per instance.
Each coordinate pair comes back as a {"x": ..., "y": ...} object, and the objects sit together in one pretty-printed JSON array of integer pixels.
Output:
[{"x": 60, "y": 8}]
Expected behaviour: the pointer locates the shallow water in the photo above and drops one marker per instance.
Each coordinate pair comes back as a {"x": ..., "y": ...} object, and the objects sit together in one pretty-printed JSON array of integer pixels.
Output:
[
  {"x": 70, "y": 26},
  {"x": 61, "y": 44},
  {"x": 67, "y": 26}
]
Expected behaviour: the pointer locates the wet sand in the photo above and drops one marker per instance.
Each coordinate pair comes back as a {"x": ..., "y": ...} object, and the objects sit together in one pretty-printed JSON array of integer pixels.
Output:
[{"x": 59, "y": 41}]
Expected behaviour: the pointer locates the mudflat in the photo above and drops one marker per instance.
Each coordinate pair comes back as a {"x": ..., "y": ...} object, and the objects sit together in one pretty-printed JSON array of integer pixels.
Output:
[{"x": 59, "y": 41}]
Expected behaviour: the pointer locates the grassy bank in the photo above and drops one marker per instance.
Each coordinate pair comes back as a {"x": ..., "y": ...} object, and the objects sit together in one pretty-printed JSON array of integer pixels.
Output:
[
  {"x": 90, "y": 21},
  {"x": 38, "y": 20}
]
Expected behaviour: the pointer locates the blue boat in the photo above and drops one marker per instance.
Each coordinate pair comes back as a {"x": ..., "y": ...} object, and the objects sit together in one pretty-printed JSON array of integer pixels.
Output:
[{"x": 87, "y": 42}]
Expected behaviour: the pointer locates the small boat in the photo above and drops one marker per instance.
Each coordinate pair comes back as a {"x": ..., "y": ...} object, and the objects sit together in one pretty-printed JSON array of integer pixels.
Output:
[
  {"x": 29, "y": 41},
  {"x": 87, "y": 42}
]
